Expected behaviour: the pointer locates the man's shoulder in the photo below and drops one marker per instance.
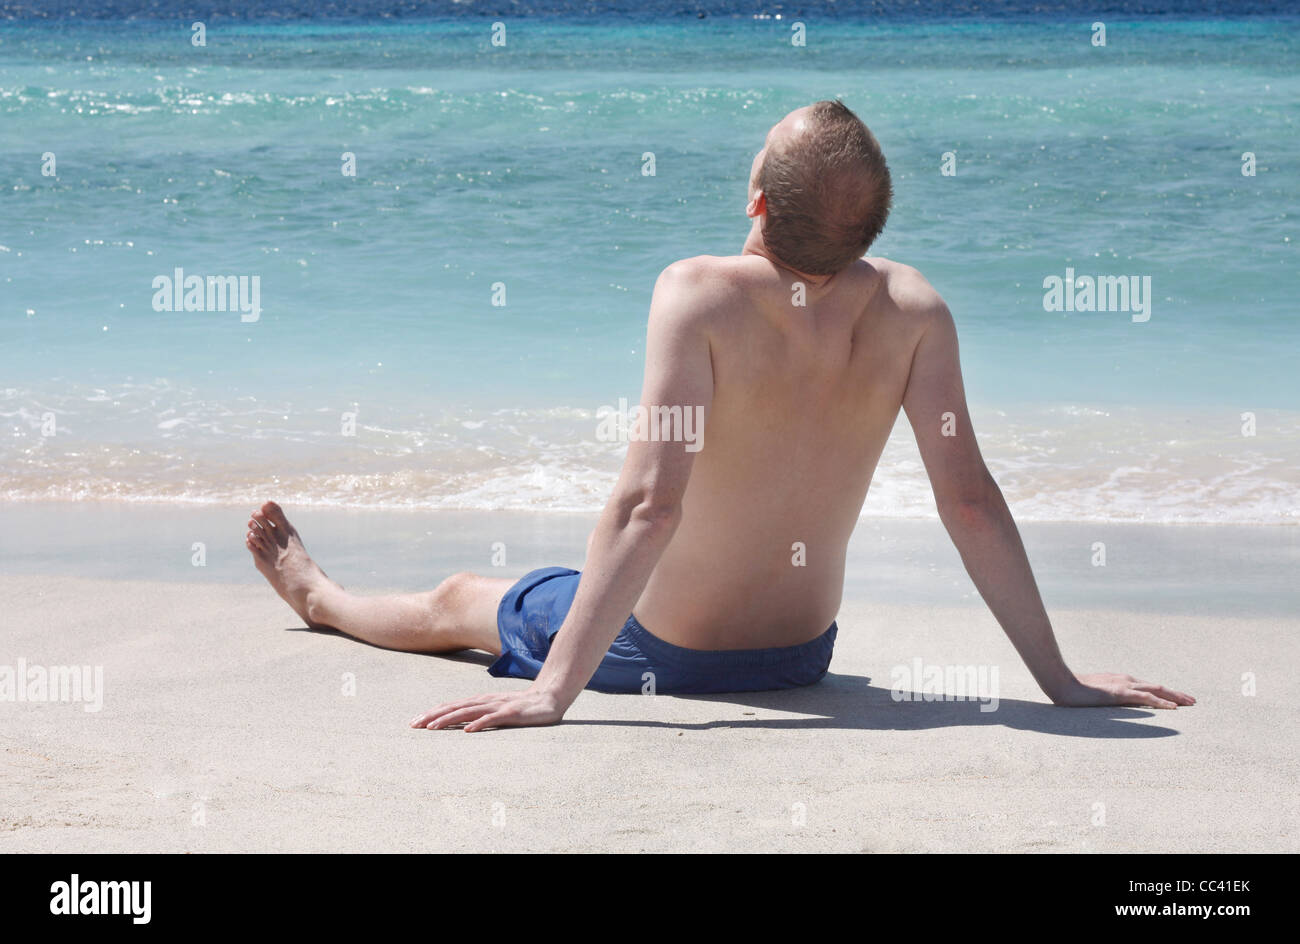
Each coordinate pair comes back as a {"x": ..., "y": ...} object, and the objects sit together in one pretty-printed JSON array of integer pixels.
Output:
[
  {"x": 906, "y": 286},
  {"x": 907, "y": 289},
  {"x": 721, "y": 270},
  {"x": 701, "y": 289}
]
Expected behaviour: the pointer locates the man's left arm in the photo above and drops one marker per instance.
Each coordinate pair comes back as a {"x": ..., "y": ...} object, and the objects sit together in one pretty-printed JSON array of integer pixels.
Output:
[{"x": 634, "y": 529}]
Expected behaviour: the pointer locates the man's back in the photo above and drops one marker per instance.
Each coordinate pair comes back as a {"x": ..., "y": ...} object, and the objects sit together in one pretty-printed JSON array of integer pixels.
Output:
[{"x": 804, "y": 399}]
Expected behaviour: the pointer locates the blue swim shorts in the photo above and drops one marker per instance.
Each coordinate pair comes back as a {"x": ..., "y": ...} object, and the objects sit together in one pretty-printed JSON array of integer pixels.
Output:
[{"x": 533, "y": 610}]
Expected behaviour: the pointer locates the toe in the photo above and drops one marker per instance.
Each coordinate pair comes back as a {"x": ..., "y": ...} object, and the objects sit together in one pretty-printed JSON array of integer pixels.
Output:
[{"x": 276, "y": 514}]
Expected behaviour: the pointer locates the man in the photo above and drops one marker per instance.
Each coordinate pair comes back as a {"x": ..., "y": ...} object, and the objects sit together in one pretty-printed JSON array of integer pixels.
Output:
[{"x": 798, "y": 353}]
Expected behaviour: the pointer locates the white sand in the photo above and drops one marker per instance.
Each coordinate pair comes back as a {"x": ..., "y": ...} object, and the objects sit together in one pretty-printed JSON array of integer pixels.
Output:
[{"x": 210, "y": 699}]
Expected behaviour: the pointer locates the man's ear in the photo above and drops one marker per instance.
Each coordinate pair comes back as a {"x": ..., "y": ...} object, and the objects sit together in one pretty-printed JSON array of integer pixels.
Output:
[{"x": 757, "y": 204}]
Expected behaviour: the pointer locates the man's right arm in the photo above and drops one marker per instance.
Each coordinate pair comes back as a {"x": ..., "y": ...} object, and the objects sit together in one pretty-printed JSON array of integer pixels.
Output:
[{"x": 977, "y": 518}]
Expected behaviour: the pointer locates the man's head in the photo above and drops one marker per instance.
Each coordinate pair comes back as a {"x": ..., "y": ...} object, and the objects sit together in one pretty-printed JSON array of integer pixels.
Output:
[{"x": 823, "y": 186}]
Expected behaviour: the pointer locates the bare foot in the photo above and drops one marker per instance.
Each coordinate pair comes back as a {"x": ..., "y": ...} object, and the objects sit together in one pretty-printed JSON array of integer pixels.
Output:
[{"x": 281, "y": 558}]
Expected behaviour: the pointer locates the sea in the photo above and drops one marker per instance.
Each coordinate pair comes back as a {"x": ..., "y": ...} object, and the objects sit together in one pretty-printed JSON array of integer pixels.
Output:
[{"x": 451, "y": 217}]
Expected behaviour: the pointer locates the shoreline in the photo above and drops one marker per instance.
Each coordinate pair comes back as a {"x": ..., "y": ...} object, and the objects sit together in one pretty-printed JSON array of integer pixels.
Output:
[{"x": 1224, "y": 569}]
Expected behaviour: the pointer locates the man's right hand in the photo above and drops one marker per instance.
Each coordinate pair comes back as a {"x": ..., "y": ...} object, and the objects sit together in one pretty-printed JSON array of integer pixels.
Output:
[{"x": 1108, "y": 688}]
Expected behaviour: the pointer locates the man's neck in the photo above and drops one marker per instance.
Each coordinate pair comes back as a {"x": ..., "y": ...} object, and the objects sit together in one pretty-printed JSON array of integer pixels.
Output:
[{"x": 754, "y": 246}]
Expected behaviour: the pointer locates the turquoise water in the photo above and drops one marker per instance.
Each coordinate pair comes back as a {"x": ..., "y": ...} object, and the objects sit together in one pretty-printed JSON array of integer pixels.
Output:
[{"x": 522, "y": 165}]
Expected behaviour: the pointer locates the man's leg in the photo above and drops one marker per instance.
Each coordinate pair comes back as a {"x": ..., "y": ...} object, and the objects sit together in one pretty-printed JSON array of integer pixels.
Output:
[{"x": 461, "y": 613}]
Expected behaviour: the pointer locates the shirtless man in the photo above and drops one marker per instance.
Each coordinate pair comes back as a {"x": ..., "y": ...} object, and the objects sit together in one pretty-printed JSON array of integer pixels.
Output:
[{"x": 799, "y": 352}]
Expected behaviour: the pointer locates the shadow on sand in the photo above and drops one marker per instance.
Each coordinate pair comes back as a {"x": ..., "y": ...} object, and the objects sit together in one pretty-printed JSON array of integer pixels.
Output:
[{"x": 852, "y": 703}]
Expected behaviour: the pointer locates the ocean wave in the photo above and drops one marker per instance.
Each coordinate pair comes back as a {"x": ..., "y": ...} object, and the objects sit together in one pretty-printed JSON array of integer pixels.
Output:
[{"x": 160, "y": 442}]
